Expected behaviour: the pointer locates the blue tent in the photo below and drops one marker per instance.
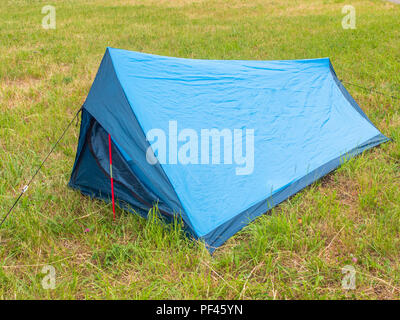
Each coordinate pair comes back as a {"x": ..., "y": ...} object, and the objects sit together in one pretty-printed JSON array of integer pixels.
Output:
[{"x": 216, "y": 142}]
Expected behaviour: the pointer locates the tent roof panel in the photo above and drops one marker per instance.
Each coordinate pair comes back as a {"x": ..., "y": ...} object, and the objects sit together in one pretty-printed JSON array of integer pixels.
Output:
[{"x": 300, "y": 117}]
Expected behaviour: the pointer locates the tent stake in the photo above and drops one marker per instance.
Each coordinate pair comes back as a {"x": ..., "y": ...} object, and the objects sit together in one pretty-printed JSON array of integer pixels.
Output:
[{"x": 25, "y": 188}]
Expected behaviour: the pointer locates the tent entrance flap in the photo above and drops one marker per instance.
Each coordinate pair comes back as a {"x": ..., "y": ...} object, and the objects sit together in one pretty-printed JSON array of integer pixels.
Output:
[{"x": 94, "y": 169}]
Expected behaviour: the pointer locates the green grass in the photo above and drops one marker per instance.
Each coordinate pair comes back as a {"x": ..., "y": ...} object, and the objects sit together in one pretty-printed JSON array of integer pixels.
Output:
[{"x": 351, "y": 217}]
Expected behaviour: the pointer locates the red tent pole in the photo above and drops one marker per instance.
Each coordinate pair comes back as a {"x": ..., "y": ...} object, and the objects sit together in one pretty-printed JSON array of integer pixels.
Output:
[{"x": 111, "y": 176}]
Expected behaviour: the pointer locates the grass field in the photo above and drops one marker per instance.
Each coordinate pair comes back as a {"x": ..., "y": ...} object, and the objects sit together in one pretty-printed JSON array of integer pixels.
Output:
[{"x": 351, "y": 217}]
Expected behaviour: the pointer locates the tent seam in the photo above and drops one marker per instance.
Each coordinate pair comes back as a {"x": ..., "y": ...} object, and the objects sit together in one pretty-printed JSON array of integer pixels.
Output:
[{"x": 216, "y": 242}]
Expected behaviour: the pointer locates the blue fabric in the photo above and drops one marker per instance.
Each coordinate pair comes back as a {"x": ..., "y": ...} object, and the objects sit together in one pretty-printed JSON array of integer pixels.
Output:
[
  {"x": 107, "y": 103},
  {"x": 91, "y": 173},
  {"x": 304, "y": 123},
  {"x": 218, "y": 236}
]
